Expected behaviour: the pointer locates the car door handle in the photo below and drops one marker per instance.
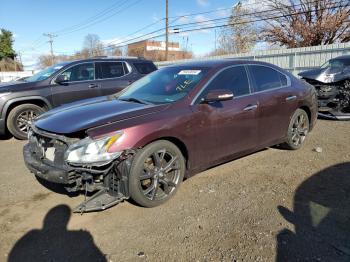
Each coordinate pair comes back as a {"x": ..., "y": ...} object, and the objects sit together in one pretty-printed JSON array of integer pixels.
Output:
[
  {"x": 93, "y": 85},
  {"x": 250, "y": 107},
  {"x": 291, "y": 98}
]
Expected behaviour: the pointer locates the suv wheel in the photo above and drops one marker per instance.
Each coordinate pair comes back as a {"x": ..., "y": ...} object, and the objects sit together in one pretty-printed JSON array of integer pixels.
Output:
[
  {"x": 156, "y": 173},
  {"x": 298, "y": 130},
  {"x": 19, "y": 118}
]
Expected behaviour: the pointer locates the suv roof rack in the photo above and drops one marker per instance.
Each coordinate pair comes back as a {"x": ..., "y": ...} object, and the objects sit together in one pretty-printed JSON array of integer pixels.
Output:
[{"x": 125, "y": 57}]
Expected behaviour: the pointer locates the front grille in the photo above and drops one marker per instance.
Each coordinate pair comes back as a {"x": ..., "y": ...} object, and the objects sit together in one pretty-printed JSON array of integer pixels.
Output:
[{"x": 41, "y": 145}]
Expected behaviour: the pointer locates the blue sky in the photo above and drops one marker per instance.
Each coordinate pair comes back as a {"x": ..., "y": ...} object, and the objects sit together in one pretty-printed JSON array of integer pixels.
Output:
[{"x": 29, "y": 19}]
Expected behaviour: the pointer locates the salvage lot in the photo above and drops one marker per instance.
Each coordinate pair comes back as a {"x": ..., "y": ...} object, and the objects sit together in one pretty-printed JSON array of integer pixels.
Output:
[{"x": 230, "y": 212}]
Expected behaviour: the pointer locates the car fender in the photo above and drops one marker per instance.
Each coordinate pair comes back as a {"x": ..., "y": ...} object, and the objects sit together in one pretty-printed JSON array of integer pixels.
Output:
[{"x": 23, "y": 99}]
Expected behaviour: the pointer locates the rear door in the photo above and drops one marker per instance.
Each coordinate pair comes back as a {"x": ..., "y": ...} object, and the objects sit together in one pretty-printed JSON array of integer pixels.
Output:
[
  {"x": 113, "y": 76},
  {"x": 277, "y": 102},
  {"x": 80, "y": 84}
]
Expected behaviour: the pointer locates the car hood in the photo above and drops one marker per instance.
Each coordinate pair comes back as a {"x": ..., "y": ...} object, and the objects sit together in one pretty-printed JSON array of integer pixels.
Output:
[
  {"x": 324, "y": 75},
  {"x": 14, "y": 86},
  {"x": 90, "y": 113}
]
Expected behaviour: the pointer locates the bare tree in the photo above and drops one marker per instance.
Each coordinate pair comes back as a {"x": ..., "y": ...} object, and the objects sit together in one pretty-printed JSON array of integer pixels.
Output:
[
  {"x": 306, "y": 22},
  {"x": 93, "y": 44},
  {"x": 115, "y": 51},
  {"x": 239, "y": 36}
]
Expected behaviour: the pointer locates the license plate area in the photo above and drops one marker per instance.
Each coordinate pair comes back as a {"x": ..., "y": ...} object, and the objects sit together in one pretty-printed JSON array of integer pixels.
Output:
[{"x": 49, "y": 154}]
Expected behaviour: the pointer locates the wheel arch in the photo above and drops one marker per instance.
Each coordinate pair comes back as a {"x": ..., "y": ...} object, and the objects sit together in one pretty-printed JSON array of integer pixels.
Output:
[
  {"x": 179, "y": 143},
  {"x": 308, "y": 112},
  {"x": 35, "y": 100}
]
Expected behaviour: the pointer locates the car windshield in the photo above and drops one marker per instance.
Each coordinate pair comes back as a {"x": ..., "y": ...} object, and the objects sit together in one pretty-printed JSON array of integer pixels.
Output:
[
  {"x": 167, "y": 85},
  {"x": 44, "y": 74},
  {"x": 336, "y": 63}
]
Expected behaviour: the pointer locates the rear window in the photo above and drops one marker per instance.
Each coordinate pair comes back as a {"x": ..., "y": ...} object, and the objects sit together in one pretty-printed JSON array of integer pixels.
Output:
[
  {"x": 266, "y": 78},
  {"x": 111, "y": 69},
  {"x": 145, "y": 68}
]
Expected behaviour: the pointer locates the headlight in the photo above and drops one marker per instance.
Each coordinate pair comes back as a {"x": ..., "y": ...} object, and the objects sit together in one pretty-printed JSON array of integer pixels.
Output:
[
  {"x": 93, "y": 151},
  {"x": 4, "y": 94}
]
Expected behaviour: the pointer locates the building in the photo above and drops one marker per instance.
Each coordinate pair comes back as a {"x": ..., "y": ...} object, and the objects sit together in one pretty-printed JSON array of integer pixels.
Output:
[{"x": 155, "y": 50}]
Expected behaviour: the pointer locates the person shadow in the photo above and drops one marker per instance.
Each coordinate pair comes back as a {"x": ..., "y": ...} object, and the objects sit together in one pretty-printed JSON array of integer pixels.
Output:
[
  {"x": 55, "y": 243},
  {"x": 321, "y": 219}
]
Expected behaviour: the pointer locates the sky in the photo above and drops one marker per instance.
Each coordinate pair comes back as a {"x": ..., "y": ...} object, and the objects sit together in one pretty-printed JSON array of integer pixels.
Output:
[{"x": 111, "y": 20}]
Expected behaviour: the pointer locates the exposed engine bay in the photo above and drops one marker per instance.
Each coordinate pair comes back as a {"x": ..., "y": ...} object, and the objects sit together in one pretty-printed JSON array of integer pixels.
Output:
[{"x": 332, "y": 82}]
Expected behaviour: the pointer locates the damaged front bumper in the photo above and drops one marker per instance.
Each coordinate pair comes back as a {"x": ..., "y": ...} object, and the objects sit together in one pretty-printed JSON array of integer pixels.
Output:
[
  {"x": 109, "y": 183},
  {"x": 333, "y": 99}
]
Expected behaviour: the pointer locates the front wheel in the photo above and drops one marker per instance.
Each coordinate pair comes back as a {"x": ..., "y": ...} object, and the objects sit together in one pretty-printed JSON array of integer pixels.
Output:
[
  {"x": 19, "y": 119},
  {"x": 156, "y": 173},
  {"x": 298, "y": 129}
]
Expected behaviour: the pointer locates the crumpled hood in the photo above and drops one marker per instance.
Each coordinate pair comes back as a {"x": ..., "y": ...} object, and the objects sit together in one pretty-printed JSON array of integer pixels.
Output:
[
  {"x": 324, "y": 75},
  {"x": 90, "y": 113}
]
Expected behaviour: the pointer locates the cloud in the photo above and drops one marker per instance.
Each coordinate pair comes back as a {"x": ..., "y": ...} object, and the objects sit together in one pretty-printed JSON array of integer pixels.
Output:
[{"x": 203, "y": 3}]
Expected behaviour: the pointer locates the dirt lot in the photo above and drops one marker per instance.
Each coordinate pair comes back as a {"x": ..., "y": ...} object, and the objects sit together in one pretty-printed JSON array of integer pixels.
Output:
[{"x": 272, "y": 205}]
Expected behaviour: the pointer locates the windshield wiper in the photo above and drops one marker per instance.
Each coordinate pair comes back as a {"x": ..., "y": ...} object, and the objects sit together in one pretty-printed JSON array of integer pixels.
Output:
[{"x": 136, "y": 100}]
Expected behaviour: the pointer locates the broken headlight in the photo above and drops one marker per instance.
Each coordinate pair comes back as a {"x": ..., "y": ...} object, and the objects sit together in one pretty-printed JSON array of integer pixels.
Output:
[{"x": 93, "y": 151}]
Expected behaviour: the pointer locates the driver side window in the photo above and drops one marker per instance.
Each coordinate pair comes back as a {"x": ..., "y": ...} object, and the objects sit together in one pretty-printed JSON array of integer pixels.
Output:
[{"x": 81, "y": 72}]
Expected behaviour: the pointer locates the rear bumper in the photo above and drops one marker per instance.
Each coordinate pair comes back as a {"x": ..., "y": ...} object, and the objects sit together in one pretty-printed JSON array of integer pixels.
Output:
[
  {"x": 2, "y": 127},
  {"x": 44, "y": 170}
]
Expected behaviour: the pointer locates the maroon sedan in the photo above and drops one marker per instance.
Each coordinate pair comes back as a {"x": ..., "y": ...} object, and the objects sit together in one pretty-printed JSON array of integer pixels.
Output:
[{"x": 177, "y": 121}]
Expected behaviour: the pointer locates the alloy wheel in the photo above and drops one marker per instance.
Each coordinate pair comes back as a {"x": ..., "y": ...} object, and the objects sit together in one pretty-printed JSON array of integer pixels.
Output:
[
  {"x": 160, "y": 176},
  {"x": 24, "y": 118},
  {"x": 299, "y": 130}
]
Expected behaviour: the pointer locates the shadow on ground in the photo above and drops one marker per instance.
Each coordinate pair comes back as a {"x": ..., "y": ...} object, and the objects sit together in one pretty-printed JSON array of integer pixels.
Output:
[
  {"x": 55, "y": 243},
  {"x": 6, "y": 136},
  {"x": 321, "y": 219}
]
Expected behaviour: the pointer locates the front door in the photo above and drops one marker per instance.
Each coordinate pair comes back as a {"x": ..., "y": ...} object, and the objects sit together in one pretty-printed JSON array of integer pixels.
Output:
[
  {"x": 80, "y": 84},
  {"x": 233, "y": 123}
]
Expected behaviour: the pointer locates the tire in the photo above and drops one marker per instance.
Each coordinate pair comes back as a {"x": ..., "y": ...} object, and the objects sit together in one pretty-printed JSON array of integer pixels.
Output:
[
  {"x": 298, "y": 129},
  {"x": 154, "y": 180},
  {"x": 19, "y": 117}
]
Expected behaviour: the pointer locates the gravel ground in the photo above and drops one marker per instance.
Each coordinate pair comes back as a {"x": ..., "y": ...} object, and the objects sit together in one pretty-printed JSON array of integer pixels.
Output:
[{"x": 272, "y": 205}]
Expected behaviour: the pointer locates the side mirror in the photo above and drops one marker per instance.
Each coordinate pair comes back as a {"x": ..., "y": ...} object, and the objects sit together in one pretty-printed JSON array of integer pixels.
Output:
[
  {"x": 218, "y": 95},
  {"x": 61, "y": 80}
]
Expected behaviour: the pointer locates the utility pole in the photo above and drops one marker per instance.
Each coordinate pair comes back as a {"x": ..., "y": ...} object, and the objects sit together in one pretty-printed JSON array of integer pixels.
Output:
[
  {"x": 166, "y": 30},
  {"x": 51, "y": 36}
]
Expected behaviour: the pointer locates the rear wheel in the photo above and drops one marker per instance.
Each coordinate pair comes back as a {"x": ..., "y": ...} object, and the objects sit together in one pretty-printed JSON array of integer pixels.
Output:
[
  {"x": 298, "y": 130},
  {"x": 19, "y": 118},
  {"x": 156, "y": 173}
]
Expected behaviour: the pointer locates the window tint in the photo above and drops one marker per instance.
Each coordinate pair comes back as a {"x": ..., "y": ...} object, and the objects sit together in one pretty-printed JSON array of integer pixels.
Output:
[
  {"x": 266, "y": 78},
  {"x": 234, "y": 79},
  {"x": 81, "y": 72},
  {"x": 111, "y": 69},
  {"x": 145, "y": 68}
]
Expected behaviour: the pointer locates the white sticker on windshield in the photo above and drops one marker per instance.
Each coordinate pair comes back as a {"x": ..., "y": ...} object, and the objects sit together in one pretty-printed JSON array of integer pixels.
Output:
[{"x": 189, "y": 72}]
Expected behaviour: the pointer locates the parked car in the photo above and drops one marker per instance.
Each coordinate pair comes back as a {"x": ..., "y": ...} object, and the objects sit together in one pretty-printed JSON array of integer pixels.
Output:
[
  {"x": 332, "y": 82},
  {"x": 21, "y": 101},
  {"x": 171, "y": 124}
]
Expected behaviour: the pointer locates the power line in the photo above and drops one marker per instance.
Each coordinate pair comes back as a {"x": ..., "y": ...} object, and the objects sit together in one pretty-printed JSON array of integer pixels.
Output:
[
  {"x": 227, "y": 24},
  {"x": 105, "y": 18},
  {"x": 94, "y": 17},
  {"x": 151, "y": 34},
  {"x": 98, "y": 18}
]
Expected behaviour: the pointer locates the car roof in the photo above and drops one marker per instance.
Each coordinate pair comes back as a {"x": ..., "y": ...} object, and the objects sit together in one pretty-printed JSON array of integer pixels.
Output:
[
  {"x": 112, "y": 58},
  {"x": 220, "y": 63}
]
